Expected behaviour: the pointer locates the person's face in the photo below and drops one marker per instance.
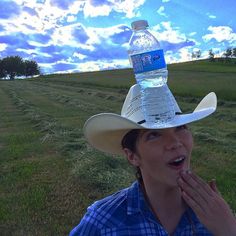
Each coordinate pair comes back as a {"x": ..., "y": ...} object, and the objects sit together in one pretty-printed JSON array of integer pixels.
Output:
[{"x": 162, "y": 154}]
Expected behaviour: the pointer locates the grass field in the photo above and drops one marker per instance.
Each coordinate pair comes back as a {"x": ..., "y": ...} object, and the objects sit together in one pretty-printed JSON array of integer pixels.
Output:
[{"x": 49, "y": 174}]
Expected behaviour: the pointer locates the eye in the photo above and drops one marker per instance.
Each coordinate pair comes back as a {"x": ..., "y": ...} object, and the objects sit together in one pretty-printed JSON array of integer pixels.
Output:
[{"x": 153, "y": 135}]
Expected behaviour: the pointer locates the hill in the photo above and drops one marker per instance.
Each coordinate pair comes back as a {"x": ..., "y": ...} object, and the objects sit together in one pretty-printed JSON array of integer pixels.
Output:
[
  {"x": 218, "y": 66},
  {"x": 201, "y": 76}
]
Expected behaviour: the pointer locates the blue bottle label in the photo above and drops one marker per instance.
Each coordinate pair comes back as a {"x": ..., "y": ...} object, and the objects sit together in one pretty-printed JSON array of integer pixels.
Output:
[{"x": 148, "y": 61}]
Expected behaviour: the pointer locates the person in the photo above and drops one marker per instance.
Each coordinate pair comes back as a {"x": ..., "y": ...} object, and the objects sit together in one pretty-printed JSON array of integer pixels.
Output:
[{"x": 167, "y": 198}]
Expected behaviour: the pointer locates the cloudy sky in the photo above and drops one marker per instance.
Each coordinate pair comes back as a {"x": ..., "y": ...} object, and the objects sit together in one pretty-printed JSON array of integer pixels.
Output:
[{"x": 88, "y": 35}]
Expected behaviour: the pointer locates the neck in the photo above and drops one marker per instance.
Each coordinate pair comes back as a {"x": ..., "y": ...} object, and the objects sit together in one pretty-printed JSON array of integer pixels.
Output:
[
  {"x": 166, "y": 204},
  {"x": 163, "y": 200}
]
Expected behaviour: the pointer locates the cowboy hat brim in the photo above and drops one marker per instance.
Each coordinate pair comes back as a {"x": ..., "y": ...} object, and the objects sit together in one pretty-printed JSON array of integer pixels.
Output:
[{"x": 105, "y": 131}]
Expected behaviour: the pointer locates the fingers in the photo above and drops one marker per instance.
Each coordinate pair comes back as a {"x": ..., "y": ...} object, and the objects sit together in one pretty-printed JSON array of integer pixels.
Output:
[
  {"x": 208, "y": 205},
  {"x": 199, "y": 210},
  {"x": 196, "y": 186},
  {"x": 197, "y": 193},
  {"x": 200, "y": 183},
  {"x": 191, "y": 195},
  {"x": 194, "y": 204}
]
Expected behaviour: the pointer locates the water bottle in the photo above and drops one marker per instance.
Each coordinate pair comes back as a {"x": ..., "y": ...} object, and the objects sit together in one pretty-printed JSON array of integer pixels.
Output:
[{"x": 148, "y": 62}]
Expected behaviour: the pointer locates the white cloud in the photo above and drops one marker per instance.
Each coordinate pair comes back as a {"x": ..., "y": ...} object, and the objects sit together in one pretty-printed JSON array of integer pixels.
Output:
[
  {"x": 205, "y": 54},
  {"x": 93, "y": 11},
  {"x": 102, "y": 65},
  {"x": 161, "y": 10},
  {"x": 79, "y": 55},
  {"x": 71, "y": 18},
  {"x": 168, "y": 33},
  {"x": 3, "y": 46},
  {"x": 99, "y": 35},
  {"x": 28, "y": 51},
  {"x": 192, "y": 33},
  {"x": 51, "y": 18},
  {"x": 220, "y": 34},
  {"x": 89, "y": 66},
  {"x": 170, "y": 57},
  {"x": 211, "y": 16},
  {"x": 165, "y": 0},
  {"x": 64, "y": 36},
  {"x": 47, "y": 16},
  {"x": 129, "y": 7},
  {"x": 185, "y": 54},
  {"x": 23, "y": 23}
]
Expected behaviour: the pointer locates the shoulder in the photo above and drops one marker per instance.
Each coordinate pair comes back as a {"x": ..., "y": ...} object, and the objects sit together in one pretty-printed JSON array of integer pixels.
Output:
[
  {"x": 110, "y": 200},
  {"x": 110, "y": 208},
  {"x": 107, "y": 212}
]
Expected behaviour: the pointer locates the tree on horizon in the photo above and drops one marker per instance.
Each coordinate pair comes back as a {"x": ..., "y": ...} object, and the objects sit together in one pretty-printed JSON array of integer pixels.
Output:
[{"x": 13, "y": 66}]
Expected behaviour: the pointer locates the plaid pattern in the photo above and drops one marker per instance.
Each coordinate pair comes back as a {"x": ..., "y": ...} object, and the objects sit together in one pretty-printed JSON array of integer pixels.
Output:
[{"x": 126, "y": 213}]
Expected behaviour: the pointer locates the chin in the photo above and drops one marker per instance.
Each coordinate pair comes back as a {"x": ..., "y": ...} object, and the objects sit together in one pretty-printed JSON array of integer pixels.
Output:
[{"x": 173, "y": 184}]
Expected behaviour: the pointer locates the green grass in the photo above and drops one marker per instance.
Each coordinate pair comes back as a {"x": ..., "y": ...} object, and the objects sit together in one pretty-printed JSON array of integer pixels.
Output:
[
  {"x": 203, "y": 76},
  {"x": 206, "y": 66},
  {"x": 49, "y": 173}
]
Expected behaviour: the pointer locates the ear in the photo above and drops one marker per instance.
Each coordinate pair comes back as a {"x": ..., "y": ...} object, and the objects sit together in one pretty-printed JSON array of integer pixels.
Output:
[{"x": 132, "y": 157}]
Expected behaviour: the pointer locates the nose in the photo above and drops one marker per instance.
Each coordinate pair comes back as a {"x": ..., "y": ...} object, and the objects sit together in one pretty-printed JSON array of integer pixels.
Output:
[{"x": 173, "y": 142}]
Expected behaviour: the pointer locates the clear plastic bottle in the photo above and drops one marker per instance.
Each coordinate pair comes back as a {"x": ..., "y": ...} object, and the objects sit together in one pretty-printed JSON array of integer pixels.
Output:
[{"x": 148, "y": 62}]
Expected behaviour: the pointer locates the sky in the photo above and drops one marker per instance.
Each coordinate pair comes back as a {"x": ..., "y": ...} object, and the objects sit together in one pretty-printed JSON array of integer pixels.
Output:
[{"x": 90, "y": 35}]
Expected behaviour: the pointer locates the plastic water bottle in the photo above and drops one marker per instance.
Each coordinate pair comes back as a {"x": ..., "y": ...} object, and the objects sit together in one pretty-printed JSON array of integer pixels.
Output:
[{"x": 148, "y": 62}]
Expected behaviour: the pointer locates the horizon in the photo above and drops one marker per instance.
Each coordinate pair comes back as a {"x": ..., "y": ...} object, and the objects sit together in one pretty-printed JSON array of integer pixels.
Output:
[
  {"x": 91, "y": 35},
  {"x": 217, "y": 62}
]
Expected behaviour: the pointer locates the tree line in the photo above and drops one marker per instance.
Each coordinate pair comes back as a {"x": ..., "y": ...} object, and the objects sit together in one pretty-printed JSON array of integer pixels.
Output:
[
  {"x": 13, "y": 66},
  {"x": 227, "y": 55}
]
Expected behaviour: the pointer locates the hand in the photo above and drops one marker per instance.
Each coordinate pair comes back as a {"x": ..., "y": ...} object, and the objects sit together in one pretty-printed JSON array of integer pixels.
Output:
[{"x": 208, "y": 205}]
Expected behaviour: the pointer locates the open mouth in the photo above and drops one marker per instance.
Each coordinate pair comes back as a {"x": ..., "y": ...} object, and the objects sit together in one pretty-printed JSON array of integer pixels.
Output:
[{"x": 177, "y": 162}]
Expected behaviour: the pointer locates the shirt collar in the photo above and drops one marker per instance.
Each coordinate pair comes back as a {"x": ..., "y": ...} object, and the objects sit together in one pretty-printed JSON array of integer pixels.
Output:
[{"x": 136, "y": 202}]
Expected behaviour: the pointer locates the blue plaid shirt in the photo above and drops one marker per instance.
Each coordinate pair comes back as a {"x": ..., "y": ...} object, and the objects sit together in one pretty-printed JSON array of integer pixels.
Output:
[{"x": 127, "y": 213}]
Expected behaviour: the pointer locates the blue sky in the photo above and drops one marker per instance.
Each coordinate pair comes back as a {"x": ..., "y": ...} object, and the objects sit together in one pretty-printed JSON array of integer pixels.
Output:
[{"x": 88, "y": 35}]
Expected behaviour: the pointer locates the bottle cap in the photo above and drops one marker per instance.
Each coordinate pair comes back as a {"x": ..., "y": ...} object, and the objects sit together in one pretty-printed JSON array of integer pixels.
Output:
[{"x": 139, "y": 24}]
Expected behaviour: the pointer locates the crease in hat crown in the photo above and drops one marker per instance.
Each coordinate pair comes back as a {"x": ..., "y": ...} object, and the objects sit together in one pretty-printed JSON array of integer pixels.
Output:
[
  {"x": 105, "y": 131},
  {"x": 132, "y": 107}
]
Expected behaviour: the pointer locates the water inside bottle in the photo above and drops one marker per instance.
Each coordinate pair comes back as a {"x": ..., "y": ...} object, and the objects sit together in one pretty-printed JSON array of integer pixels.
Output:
[
  {"x": 155, "y": 78},
  {"x": 157, "y": 105}
]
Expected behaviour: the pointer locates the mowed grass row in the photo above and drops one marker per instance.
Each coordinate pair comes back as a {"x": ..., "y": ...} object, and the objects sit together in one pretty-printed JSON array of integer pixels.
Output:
[
  {"x": 41, "y": 141},
  {"x": 49, "y": 174}
]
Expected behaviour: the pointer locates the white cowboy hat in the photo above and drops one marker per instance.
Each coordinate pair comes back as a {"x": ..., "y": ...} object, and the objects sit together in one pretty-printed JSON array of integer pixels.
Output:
[{"x": 105, "y": 131}]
